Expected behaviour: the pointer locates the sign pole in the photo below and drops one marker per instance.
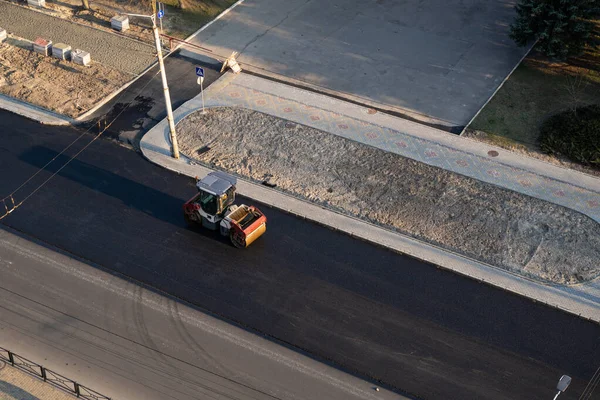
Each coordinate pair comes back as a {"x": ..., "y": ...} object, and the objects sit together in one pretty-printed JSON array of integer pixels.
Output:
[
  {"x": 202, "y": 93},
  {"x": 200, "y": 75},
  {"x": 161, "y": 10}
]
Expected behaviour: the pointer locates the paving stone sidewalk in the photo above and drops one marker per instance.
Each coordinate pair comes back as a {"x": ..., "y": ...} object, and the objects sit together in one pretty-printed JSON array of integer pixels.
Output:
[
  {"x": 19, "y": 385},
  {"x": 410, "y": 140},
  {"x": 113, "y": 50}
]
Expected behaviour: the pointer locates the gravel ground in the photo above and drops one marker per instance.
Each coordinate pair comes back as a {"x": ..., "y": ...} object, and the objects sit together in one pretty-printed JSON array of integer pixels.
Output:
[
  {"x": 112, "y": 50},
  {"x": 507, "y": 229},
  {"x": 56, "y": 85}
]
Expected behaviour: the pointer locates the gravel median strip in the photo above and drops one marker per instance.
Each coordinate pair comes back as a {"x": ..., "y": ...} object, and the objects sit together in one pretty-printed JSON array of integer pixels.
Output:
[{"x": 522, "y": 234}]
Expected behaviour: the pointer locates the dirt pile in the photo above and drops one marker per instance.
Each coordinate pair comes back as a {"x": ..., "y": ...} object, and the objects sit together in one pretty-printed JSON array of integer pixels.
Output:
[
  {"x": 60, "y": 86},
  {"x": 522, "y": 234}
]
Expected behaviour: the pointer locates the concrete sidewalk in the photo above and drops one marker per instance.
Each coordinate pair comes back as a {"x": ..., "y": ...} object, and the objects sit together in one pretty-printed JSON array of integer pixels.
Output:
[
  {"x": 410, "y": 140},
  {"x": 436, "y": 61}
]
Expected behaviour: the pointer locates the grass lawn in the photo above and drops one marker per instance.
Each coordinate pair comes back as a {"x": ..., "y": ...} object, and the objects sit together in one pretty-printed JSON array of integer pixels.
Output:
[
  {"x": 537, "y": 89},
  {"x": 183, "y": 22}
]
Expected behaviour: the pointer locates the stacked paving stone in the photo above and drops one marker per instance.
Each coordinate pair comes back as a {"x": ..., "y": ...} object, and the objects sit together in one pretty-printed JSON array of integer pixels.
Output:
[
  {"x": 42, "y": 46},
  {"x": 36, "y": 3},
  {"x": 80, "y": 57},
  {"x": 120, "y": 22},
  {"x": 59, "y": 50},
  {"x": 3, "y": 35},
  {"x": 62, "y": 51}
]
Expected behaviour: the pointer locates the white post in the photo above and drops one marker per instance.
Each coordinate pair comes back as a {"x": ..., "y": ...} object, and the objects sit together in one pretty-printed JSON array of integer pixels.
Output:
[
  {"x": 557, "y": 394},
  {"x": 163, "y": 75},
  {"x": 202, "y": 92}
]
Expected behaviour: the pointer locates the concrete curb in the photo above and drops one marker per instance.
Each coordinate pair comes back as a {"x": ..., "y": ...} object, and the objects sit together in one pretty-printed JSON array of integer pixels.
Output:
[
  {"x": 155, "y": 147},
  {"x": 85, "y": 115},
  {"x": 32, "y": 112}
]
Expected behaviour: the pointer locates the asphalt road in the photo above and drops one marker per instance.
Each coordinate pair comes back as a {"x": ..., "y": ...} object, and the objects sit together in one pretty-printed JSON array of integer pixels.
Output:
[
  {"x": 375, "y": 313},
  {"x": 128, "y": 342},
  {"x": 142, "y": 105}
]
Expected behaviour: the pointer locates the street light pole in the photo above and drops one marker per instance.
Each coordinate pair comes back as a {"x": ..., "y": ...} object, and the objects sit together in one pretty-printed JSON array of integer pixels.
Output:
[
  {"x": 163, "y": 75},
  {"x": 557, "y": 394},
  {"x": 563, "y": 384}
]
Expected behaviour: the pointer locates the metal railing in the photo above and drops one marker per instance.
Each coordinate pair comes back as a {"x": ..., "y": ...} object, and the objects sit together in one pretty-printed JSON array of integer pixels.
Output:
[{"x": 53, "y": 378}]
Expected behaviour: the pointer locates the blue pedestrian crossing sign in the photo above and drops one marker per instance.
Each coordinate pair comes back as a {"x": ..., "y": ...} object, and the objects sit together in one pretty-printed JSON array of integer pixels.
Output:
[{"x": 200, "y": 72}]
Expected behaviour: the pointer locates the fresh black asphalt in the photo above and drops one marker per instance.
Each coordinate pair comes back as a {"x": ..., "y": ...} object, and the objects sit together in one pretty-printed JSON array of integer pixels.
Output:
[{"x": 404, "y": 322}]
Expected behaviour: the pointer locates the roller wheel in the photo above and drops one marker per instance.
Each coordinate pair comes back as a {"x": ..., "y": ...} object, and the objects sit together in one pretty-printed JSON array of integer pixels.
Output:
[
  {"x": 237, "y": 240},
  {"x": 188, "y": 220}
]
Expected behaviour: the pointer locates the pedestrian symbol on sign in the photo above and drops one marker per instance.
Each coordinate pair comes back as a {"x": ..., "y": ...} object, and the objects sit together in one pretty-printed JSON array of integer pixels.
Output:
[{"x": 200, "y": 71}]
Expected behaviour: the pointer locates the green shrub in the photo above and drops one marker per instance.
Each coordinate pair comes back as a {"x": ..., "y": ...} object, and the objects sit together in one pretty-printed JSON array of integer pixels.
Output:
[
  {"x": 574, "y": 134},
  {"x": 562, "y": 27}
]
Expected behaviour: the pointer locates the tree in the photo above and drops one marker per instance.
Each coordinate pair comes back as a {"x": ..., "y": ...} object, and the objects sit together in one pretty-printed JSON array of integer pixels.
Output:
[{"x": 563, "y": 27}]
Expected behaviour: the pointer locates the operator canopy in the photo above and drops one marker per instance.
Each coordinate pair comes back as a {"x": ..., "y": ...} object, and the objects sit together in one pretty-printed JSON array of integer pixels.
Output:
[{"x": 216, "y": 183}]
